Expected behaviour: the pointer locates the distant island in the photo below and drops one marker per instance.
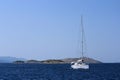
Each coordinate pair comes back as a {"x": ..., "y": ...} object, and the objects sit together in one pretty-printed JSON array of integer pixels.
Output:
[
  {"x": 4, "y": 59},
  {"x": 58, "y": 61}
]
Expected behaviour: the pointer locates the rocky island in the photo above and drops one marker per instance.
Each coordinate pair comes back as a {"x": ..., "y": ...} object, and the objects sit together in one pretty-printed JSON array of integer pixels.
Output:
[{"x": 60, "y": 61}]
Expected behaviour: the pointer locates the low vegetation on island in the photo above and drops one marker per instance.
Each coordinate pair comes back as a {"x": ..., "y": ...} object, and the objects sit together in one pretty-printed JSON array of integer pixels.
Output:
[{"x": 59, "y": 61}]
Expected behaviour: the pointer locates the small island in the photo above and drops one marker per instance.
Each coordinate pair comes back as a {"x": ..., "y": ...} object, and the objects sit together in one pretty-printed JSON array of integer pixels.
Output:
[
  {"x": 19, "y": 62},
  {"x": 58, "y": 61}
]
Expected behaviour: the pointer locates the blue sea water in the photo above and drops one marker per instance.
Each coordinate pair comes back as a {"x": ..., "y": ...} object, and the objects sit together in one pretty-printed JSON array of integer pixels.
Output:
[{"x": 58, "y": 72}]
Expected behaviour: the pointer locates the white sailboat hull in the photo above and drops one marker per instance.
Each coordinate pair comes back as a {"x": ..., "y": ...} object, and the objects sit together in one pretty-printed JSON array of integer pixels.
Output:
[{"x": 80, "y": 66}]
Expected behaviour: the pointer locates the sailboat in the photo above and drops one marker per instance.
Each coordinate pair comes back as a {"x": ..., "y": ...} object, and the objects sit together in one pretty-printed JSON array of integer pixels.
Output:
[{"x": 80, "y": 64}]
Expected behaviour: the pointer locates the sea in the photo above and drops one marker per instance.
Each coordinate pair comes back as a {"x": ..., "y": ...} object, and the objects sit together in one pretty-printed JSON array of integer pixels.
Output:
[{"x": 105, "y": 71}]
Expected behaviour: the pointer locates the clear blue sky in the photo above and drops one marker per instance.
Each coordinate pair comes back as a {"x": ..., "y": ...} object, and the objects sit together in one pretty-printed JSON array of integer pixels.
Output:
[{"x": 48, "y": 29}]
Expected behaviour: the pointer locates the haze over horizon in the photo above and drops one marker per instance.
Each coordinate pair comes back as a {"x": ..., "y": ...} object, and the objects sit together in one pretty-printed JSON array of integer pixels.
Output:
[{"x": 50, "y": 29}]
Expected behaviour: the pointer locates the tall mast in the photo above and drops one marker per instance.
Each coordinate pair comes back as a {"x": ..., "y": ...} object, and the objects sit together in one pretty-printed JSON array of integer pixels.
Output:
[{"x": 82, "y": 36}]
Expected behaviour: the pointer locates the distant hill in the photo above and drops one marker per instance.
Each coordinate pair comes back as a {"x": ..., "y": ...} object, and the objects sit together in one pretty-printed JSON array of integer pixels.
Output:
[
  {"x": 50, "y": 61},
  {"x": 86, "y": 60},
  {"x": 69, "y": 60},
  {"x": 7, "y": 59}
]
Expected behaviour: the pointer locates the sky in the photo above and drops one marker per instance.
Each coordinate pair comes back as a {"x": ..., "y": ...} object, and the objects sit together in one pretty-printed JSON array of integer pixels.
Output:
[{"x": 50, "y": 29}]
